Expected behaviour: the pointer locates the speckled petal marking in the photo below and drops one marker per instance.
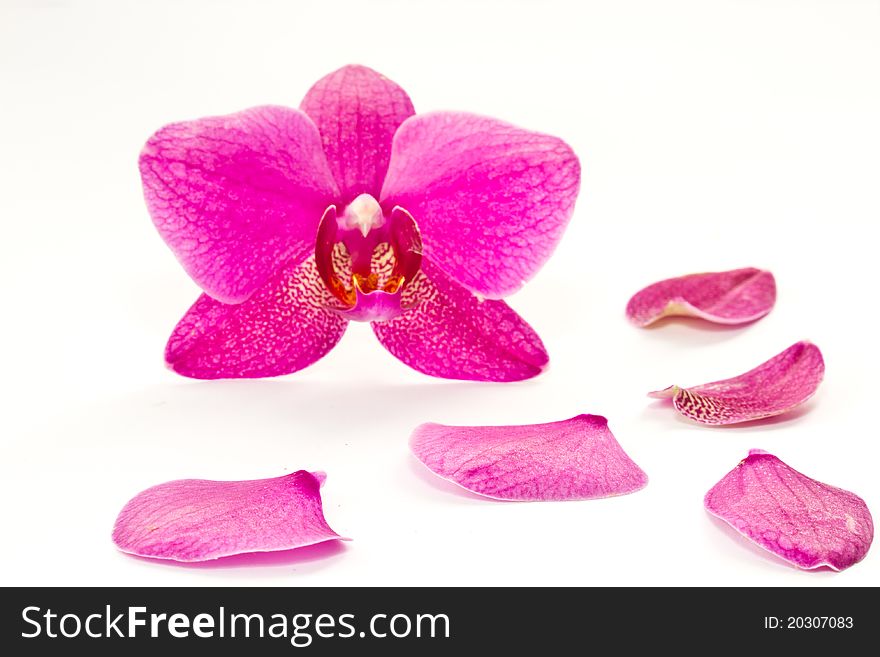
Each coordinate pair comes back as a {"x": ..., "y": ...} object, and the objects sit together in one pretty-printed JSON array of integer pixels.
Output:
[
  {"x": 237, "y": 197},
  {"x": 728, "y": 297},
  {"x": 574, "y": 459},
  {"x": 198, "y": 520},
  {"x": 357, "y": 111},
  {"x": 801, "y": 520},
  {"x": 773, "y": 388},
  {"x": 450, "y": 333},
  {"x": 284, "y": 327},
  {"x": 491, "y": 200}
]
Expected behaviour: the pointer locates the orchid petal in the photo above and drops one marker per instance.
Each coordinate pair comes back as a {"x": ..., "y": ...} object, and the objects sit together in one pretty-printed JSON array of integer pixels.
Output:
[
  {"x": 801, "y": 520},
  {"x": 198, "y": 520},
  {"x": 450, "y": 333},
  {"x": 238, "y": 196},
  {"x": 490, "y": 199},
  {"x": 284, "y": 327},
  {"x": 773, "y": 388},
  {"x": 357, "y": 111},
  {"x": 728, "y": 297},
  {"x": 574, "y": 459}
]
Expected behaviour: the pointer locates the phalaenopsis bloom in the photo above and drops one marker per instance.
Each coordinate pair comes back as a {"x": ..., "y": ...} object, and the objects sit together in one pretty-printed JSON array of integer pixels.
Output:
[{"x": 353, "y": 208}]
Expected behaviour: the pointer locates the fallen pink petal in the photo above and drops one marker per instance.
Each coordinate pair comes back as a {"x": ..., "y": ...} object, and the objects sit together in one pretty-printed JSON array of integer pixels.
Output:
[
  {"x": 197, "y": 520},
  {"x": 295, "y": 222},
  {"x": 728, "y": 297},
  {"x": 801, "y": 520},
  {"x": 778, "y": 386},
  {"x": 576, "y": 459}
]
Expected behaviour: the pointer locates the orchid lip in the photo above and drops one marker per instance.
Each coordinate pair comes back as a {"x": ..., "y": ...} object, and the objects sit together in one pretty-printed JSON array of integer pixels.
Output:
[
  {"x": 365, "y": 258},
  {"x": 375, "y": 306}
]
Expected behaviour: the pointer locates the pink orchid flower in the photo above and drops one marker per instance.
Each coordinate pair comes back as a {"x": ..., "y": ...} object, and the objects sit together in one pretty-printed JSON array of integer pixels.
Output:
[{"x": 295, "y": 222}]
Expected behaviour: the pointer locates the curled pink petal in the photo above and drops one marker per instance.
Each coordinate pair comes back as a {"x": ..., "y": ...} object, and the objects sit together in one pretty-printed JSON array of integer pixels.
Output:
[
  {"x": 450, "y": 333},
  {"x": 727, "y": 297},
  {"x": 773, "y": 388},
  {"x": 357, "y": 111},
  {"x": 490, "y": 199},
  {"x": 198, "y": 520},
  {"x": 805, "y": 522},
  {"x": 284, "y": 327},
  {"x": 574, "y": 459},
  {"x": 238, "y": 196}
]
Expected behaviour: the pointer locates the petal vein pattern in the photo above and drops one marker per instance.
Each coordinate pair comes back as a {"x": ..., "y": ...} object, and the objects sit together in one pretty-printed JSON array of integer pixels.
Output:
[
  {"x": 799, "y": 519},
  {"x": 490, "y": 199},
  {"x": 573, "y": 459},
  {"x": 197, "y": 519},
  {"x": 236, "y": 197}
]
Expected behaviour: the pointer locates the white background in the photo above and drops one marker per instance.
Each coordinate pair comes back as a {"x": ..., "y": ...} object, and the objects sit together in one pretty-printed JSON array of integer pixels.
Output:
[{"x": 713, "y": 135}]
